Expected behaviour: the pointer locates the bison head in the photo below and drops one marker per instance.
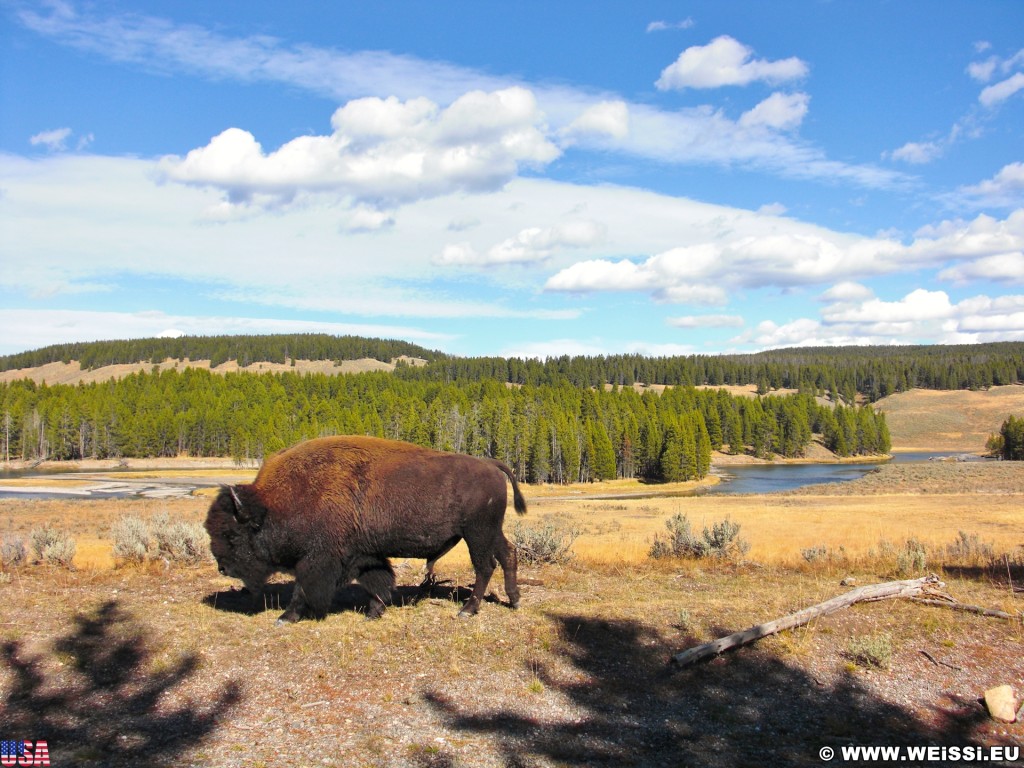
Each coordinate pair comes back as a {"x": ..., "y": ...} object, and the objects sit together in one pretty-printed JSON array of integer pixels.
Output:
[{"x": 233, "y": 525}]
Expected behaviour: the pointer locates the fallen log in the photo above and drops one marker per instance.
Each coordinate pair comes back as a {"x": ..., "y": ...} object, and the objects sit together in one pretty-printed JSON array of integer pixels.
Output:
[{"x": 871, "y": 592}]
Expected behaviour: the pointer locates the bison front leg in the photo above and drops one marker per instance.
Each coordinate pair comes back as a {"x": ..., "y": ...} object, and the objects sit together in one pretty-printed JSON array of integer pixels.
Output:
[{"x": 315, "y": 582}]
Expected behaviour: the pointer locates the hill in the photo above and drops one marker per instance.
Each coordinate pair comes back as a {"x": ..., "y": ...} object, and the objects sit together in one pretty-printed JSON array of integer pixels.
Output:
[
  {"x": 924, "y": 419},
  {"x": 846, "y": 373}
]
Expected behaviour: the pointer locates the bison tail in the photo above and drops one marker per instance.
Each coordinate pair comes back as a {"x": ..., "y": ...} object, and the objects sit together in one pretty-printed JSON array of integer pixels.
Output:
[{"x": 517, "y": 496}]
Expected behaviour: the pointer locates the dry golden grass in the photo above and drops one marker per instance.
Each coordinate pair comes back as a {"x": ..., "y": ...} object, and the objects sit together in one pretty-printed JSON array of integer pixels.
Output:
[
  {"x": 982, "y": 499},
  {"x": 930, "y": 420}
]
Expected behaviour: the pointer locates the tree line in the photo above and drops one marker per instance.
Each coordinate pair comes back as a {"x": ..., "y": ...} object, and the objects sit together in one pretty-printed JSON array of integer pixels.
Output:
[
  {"x": 840, "y": 372},
  {"x": 556, "y": 433}
]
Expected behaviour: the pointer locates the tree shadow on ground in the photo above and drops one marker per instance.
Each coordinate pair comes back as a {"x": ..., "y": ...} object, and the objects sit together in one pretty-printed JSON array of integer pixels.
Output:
[
  {"x": 748, "y": 708},
  {"x": 350, "y": 597},
  {"x": 1006, "y": 574},
  {"x": 99, "y": 697}
]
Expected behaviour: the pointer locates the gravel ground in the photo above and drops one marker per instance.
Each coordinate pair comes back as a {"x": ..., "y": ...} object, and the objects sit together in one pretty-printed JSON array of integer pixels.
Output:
[{"x": 169, "y": 667}]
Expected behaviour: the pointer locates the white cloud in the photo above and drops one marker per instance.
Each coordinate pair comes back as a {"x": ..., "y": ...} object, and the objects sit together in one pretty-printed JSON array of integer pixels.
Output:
[
  {"x": 1001, "y": 91},
  {"x": 707, "y": 272},
  {"x": 530, "y": 245},
  {"x": 847, "y": 291},
  {"x": 366, "y": 219},
  {"x": 607, "y": 118},
  {"x": 706, "y": 321},
  {"x": 1002, "y": 268},
  {"x": 919, "y": 153},
  {"x": 921, "y": 316},
  {"x": 664, "y": 26},
  {"x": 382, "y": 151},
  {"x": 958, "y": 240},
  {"x": 985, "y": 71},
  {"x": 982, "y": 71},
  {"x": 694, "y": 136},
  {"x": 1004, "y": 190},
  {"x": 726, "y": 61},
  {"x": 780, "y": 111},
  {"x": 55, "y": 140}
]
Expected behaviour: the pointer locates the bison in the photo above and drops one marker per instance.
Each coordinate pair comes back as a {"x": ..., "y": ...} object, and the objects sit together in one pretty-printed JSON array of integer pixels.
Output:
[{"x": 334, "y": 509}]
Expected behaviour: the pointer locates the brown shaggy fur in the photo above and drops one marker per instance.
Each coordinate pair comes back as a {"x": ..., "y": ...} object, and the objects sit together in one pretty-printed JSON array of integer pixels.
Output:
[{"x": 333, "y": 510}]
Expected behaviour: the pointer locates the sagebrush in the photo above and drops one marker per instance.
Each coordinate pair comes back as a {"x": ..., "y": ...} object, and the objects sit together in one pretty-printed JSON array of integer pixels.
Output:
[
  {"x": 176, "y": 541},
  {"x": 721, "y": 540}
]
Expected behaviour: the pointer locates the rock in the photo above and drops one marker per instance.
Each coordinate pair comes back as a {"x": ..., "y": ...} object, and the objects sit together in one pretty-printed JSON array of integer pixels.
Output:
[
  {"x": 1000, "y": 704},
  {"x": 849, "y": 581}
]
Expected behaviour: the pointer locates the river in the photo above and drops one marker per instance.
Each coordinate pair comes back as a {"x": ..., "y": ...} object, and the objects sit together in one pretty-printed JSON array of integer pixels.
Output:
[{"x": 741, "y": 478}]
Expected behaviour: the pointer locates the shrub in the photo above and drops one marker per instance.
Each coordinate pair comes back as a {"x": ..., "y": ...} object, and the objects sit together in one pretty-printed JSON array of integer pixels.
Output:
[
  {"x": 132, "y": 542},
  {"x": 549, "y": 542},
  {"x": 182, "y": 542},
  {"x": 870, "y": 650},
  {"x": 52, "y": 546},
  {"x": 13, "y": 552},
  {"x": 722, "y": 540},
  {"x": 969, "y": 547},
  {"x": 912, "y": 558},
  {"x": 822, "y": 554},
  {"x": 136, "y": 541}
]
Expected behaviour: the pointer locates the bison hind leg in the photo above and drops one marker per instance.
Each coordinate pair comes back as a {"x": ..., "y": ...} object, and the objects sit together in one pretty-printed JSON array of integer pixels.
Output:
[
  {"x": 506, "y": 554},
  {"x": 429, "y": 579},
  {"x": 377, "y": 577}
]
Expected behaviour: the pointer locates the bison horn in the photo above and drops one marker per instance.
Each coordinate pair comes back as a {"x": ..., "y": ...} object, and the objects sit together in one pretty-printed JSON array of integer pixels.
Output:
[{"x": 234, "y": 497}]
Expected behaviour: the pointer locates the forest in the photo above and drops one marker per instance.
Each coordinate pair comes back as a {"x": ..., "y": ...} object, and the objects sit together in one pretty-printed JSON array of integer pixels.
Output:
[
  {"x": 557, "y": 433},
  {"x": 844, "y": 372}
]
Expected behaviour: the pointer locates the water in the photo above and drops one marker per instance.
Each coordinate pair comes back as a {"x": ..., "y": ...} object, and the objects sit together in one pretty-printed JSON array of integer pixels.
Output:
[{"x": 770, "y": 478}]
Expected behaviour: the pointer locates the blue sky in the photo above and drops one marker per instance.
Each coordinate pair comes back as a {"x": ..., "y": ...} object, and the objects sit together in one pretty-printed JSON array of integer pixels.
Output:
[{"x": 523, "y": 178}]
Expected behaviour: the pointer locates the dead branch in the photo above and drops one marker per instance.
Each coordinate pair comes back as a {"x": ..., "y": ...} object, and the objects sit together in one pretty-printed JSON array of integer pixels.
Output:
[
  {"x": 938, "y": 663},
  {"x": 871, "y": 592},
  {"x": 954, "y": 605}
]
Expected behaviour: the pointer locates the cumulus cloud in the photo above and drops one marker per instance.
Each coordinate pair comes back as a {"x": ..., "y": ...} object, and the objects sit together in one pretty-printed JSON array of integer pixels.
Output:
[
  {"x": 381, "y": 152},
  {"x": 701, "y": 273},
  {"x": 780, "y": 111},
  {"x": 1002, "y": 268},
  {"x": 700, "y": 135},
  {"x": 921, "y": 316},
  {"x": 726, "y": 61}
]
